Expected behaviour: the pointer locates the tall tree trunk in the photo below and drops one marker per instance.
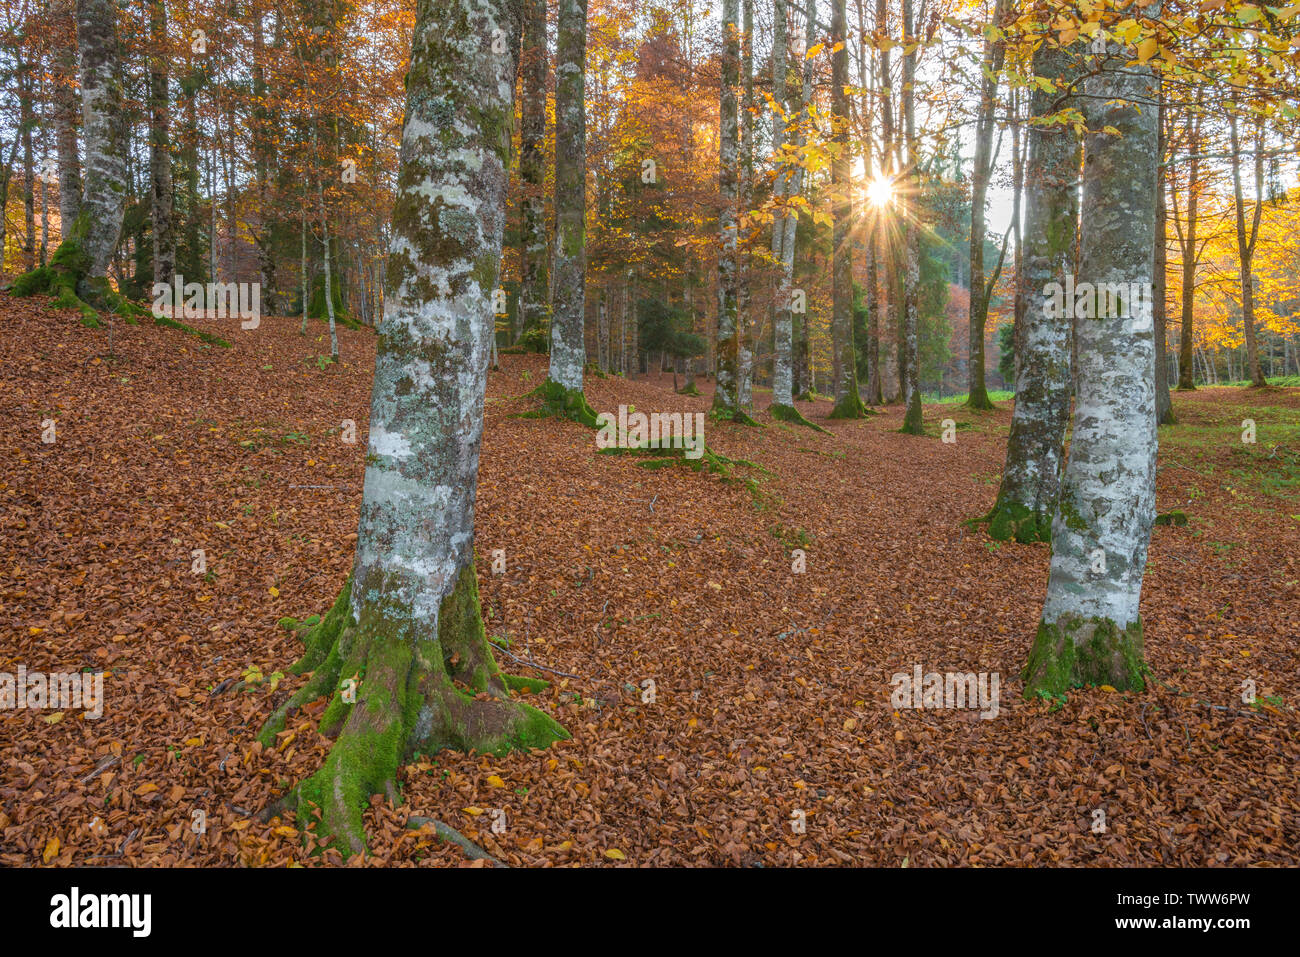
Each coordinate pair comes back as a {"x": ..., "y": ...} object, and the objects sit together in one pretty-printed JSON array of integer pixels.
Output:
[
  {"x": 533, "y": 296},
  {"x": 1159, "y": 308},
  {"x": 306, "y": 282},
  {"x": 568, "y": 307},
  {"x": 409, "y": 619},
  {"x": 1091, "y": 628},
  {"x": 1030, "y": 484},
  {"x": 726, "y": 398},
  {"x": 1188, "y": 248},
  {"x": 991, "y": 68},
  {"x": 744, "y": 318},
  {"x": 785, "y": 361},
  {"x": 912, "y": 423},
  {"x": 26, "y": 87},
  {"x": 848, "y": 403},
  {"x": 66, "y": 113},
  {"x": 262, "y": 161},
  {"x": 1246, "y": 240},
  {"x": 99, "y": 222},
  {"x": 160, "y": 157}
]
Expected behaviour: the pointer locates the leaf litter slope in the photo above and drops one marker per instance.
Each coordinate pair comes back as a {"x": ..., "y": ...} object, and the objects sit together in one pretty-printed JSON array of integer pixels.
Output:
[{"x": 771, "y": 688}]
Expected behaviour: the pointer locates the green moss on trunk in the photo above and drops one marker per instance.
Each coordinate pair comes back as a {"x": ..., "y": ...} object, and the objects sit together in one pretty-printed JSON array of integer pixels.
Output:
[
  {"x": 849, "y": 407},
  {"x": 1077, "y": 652},
  {"x": 409, "y": 697},
  {"x": 1011, "y": 520},
  {"x": 788, "y": 413},
  {"x": 566, "y": 403}
]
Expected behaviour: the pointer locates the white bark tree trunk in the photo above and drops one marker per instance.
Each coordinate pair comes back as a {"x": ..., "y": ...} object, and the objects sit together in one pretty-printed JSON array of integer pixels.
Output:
[{"x": 1091, "y": 630}]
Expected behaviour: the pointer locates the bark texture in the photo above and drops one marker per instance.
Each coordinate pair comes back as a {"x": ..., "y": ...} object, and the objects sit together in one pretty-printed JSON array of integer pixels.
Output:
[
  {"x": 408, "y": 622},
  {"x": 568, "y": 349},
  {"x": 534, "y": 301},
  {"x": 99, "y": 222},
  {"x": 1091, "y": 628},
  {"x": 1031, "y": 476}
]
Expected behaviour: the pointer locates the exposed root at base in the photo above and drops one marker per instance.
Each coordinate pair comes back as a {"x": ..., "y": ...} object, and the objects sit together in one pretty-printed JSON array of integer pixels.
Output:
[{"x": 393, "y": 696}]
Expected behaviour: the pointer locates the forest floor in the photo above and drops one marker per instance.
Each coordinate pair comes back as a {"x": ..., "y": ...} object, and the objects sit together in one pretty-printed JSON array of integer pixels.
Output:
[{"x": 771, "y": 688}]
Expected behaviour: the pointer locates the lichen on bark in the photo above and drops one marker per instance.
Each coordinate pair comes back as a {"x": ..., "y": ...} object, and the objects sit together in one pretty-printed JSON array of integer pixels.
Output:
[
  {"x": 1102, "y": 526},
  {"x": 408, "y": 629}
]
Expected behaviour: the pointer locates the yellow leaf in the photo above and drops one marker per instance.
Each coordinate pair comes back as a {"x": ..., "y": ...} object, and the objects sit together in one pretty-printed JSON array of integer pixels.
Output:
[
  {"x": 1107, "y": 688},
  {"x": 814, "y": 50},
  {"x": 51, "y": 850},
  {"x": 146, "y": 788},
  {"x": 1147, "y": 49},
  {"x": 495, "y": 781},
  {"x": 275, "y": 592},
  {"x": 615, "y": 854},
  {"x": 53, "y": 718},
  {"x": 473, "y": 811}
]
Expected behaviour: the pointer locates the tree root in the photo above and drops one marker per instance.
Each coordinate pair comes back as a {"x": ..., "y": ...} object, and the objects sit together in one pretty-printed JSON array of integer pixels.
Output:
[
  {"x": 563, "y": 403},
  {"x": 449, "y": 834},
  {"x": 788, "y": 413},
  {"x": 850, "y": 407},
  {"x": 64, "y": 279},
  {"x": 393, "y": 695}
]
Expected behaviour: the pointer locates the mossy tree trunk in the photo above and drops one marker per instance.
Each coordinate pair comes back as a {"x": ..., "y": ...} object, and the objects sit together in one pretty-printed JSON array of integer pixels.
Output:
[
  {"x": 568, "y": 346},
  {"x": 104, "y": 198},
  {"x": 533, "y": 304},
  {"x": 744, "y": 312},
  {"x": 910, "y": 371},
  {"x": 77, "y": 274},
  {"x": 981, "y": 172},
  {"x": 1091, "y": 628},
  {"x": 408, "y": 624},
  {"x": 783, "y": 242},
  {"x": 64, "y": 80},
  {"x": 1031, "y": 477},
  {"x": 726, "y": 397},
  {"x": 160, "y": 157},
  {"x": 848, "y": 402}
]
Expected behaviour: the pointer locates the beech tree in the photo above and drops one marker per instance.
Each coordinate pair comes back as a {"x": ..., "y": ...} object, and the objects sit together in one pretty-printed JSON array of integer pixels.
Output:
[
  {"x": 788, "y": 187},
  {"x": 563, "y": 387},
  {"x": 77, "y": 274},
  {"x": 1030, "y": 484},
  {"x": 1091, "y": 628},
  {"x": 408, "y": 619},
  {"x": 910, "y": 366},
  {"x": 848, "y": 402},
  {"x": 533, "y": 299},
  {"x": 726, "y": 397},
  {"x": 160, "y": 157}
]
